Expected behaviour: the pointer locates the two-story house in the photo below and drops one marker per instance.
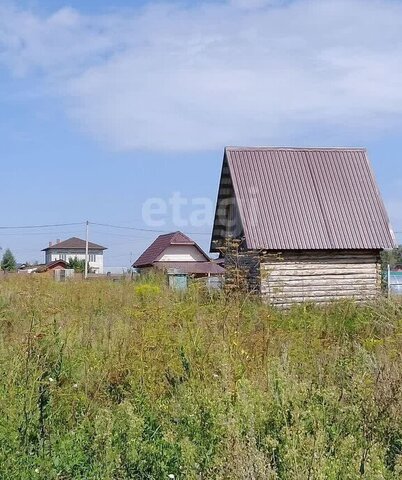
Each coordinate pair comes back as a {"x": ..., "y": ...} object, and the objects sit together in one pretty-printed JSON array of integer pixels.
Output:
[{"x": 75, "y": 248}]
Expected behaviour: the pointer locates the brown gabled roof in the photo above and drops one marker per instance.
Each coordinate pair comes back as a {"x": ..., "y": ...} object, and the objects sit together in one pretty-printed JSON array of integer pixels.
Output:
[
  {"x": 72, "y": 244},
  {"x": 53, "y": 264},
  {"x": 156, "y": 248},
  {"x": 44, "y": 267},
  {"x": 305, "y": 199}
]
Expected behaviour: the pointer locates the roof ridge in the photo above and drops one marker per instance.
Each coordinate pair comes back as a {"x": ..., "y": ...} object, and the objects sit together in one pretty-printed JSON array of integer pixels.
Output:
[
  {"x": 311, "y": 149},
  {"x": 179, "y": 233},
  {"x": 169, "y": 233}
]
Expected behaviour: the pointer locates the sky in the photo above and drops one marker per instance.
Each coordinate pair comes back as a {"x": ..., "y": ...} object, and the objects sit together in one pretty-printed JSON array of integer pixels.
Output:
[{"x": 110, "y": 109}]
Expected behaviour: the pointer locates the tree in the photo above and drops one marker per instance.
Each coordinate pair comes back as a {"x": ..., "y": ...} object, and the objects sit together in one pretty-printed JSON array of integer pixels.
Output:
[
  {"x": 392, "y": 257},
  {"x": 77, "y": 265},
  {"x": 8, "y": 262}
]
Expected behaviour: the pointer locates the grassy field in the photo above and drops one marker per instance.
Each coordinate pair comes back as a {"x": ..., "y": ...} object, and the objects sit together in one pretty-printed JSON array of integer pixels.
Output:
[{"x": 106, "y": 380}]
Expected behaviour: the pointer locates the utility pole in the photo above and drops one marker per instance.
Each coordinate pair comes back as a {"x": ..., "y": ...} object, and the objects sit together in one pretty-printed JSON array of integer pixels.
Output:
[{"x": 86, "y": 250}]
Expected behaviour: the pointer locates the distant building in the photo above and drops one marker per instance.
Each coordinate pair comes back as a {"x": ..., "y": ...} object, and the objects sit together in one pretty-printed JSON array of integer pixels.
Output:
[
  {"x": 43, "y": 267},
  {"x": 75, "y": 248},
  {"x": 310, "y": 222},
  {"x": 175, "y": 252}
]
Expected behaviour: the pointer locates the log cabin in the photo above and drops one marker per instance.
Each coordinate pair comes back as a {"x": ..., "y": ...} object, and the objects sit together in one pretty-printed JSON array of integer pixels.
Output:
[{"x": 310, "y": 222}]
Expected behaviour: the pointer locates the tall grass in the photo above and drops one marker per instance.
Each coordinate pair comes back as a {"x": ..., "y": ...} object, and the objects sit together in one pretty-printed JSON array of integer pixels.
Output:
[{"x": 128, "y": 380}]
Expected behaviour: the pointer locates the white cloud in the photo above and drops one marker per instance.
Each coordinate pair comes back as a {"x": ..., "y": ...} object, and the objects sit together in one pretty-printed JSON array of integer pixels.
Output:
[{"x": 188, "y": 78}]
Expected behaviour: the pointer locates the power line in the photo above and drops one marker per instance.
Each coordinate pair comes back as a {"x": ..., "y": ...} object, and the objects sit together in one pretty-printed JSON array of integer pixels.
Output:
[
  {"x": 23, "y": 227},
  {"x": 122, "y": 227},
  {"x": 128, "y": 236},
  {"x": 143, "y": 229},
  {"x": 40, "y": 234}
]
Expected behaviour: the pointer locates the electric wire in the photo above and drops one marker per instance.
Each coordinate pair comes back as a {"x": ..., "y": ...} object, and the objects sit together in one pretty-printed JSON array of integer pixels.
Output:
[
  {"x": 143, "y": 229},
  {"x": 24, "y": 227},
  {"x": 108, "y": 225}
]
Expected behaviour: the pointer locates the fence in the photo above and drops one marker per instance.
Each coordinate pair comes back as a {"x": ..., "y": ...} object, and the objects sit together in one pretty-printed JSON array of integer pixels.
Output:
[
  {"x": 61, "y": 275},
  {"x": 394, "y": 282}
]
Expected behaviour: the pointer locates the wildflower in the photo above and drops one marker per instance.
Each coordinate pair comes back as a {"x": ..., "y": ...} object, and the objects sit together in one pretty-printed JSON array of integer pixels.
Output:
[
  {"x": 75, "y": 385},
  {"x": 36, "y": 470},
  {"x": 51, "y": 379},
  {"x": 171, "y": 476}
]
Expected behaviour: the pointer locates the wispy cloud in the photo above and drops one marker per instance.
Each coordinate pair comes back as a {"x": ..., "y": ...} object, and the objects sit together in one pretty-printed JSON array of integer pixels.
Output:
[{"x": 188, "y": 78}]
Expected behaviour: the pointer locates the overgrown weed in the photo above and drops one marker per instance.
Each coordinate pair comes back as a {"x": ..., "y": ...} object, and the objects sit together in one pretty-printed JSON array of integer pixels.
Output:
[{"x": 129, "y": 380}]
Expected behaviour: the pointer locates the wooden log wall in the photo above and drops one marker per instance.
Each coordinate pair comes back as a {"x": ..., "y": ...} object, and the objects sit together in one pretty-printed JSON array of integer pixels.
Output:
[{"x": 320, "y": 277}]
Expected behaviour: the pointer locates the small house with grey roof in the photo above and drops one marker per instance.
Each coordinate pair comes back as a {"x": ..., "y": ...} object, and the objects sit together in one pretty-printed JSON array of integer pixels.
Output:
[{"x": 310, "y": 222}]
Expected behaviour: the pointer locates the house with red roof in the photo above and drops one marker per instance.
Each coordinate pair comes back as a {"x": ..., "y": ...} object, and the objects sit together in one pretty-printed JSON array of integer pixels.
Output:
[
  {"x": 177, "y": 253},
  {"x": 44, "y": 267}
]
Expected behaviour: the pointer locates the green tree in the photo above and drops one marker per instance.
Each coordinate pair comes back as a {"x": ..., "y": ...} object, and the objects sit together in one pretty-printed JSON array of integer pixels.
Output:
[
  {"x": 392, "y": 257},
  {"x": 8, "y": 262},
  {"x": 76, "y": 264}
]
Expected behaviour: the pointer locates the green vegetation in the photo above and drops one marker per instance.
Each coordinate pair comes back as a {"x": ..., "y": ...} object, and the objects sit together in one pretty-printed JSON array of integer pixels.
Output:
[
  {"x": 77, "y": 265},
  {"x": 8, "y": 263},
  {"x": 108, "y": 380},
  {"x": 392, "y": 257}
]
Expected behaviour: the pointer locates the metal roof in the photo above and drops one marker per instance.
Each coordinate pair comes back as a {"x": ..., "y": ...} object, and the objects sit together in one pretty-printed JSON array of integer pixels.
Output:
[
  {"x": 156, "y": 248},
  {"x": 308, "y": 199},
  {"x": 73, "y": 243},
  {"x": 56, "y": 262}
]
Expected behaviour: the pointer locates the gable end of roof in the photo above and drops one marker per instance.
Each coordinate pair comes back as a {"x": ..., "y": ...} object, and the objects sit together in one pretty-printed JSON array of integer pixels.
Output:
[{"x": 152, "y": 253}]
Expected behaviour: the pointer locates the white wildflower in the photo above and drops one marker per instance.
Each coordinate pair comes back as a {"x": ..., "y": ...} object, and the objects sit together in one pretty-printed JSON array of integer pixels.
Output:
[
  {"x": 51, "y": 379},
  {"x": 171, "y": 476},
  {"x": 36, "y": 470}
]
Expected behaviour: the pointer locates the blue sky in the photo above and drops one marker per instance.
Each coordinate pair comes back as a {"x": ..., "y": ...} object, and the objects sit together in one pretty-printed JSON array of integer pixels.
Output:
[{"x": 104, "y": 105}]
